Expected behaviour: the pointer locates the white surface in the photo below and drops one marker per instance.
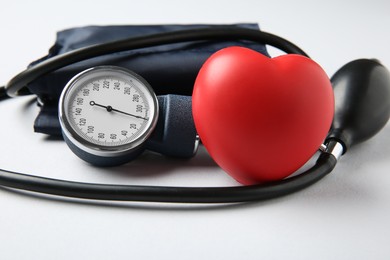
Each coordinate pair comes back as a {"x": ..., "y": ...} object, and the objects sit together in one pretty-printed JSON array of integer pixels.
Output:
[{"x": 345, "y": 216}]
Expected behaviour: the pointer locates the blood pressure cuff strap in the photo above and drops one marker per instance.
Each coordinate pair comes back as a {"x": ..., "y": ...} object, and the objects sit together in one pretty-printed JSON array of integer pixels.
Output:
[{"x": 170, "y": 69}]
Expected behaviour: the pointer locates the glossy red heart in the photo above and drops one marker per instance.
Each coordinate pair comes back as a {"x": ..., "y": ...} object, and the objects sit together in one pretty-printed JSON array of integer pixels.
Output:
[{"x": 261, "y": 118}]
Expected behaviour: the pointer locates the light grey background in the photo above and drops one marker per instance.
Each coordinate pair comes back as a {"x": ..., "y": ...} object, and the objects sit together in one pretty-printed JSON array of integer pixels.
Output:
[{"x": 345, "y": 216}]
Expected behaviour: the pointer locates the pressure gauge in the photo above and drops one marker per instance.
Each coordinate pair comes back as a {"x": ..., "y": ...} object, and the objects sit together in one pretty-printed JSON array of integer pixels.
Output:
[{"x": 106, "y": 114}]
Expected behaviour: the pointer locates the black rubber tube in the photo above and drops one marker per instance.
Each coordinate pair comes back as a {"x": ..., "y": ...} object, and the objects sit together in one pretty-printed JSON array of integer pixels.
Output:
[{"x": 324, "y": 165}]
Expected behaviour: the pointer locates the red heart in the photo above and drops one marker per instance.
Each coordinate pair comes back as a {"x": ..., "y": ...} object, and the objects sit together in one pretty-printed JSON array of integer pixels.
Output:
[{"x": 261, "y": 119}]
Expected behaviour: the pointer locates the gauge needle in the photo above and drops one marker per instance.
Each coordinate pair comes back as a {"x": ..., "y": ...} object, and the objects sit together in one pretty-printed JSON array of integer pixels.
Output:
[{"x": 110, "y": 108}]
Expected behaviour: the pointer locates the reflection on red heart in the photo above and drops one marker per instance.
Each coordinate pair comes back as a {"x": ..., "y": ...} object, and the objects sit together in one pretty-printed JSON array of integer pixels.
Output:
[{"x": 261, "y": 119}]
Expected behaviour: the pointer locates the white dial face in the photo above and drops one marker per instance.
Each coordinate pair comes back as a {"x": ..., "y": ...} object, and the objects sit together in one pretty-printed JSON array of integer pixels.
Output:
[{"x": 109, "y": 107}]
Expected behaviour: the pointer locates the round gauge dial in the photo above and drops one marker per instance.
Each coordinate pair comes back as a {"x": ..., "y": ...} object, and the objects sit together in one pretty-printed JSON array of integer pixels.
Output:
[{"x": 107, "y": 111}]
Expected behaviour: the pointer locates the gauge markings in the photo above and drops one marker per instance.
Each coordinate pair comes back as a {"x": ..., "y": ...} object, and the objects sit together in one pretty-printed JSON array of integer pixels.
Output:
[{"x": 118, "y": 107}]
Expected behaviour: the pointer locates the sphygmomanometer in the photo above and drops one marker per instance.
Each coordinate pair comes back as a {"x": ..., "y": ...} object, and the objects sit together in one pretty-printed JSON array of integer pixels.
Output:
[{"x": 114, "y": 92}]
